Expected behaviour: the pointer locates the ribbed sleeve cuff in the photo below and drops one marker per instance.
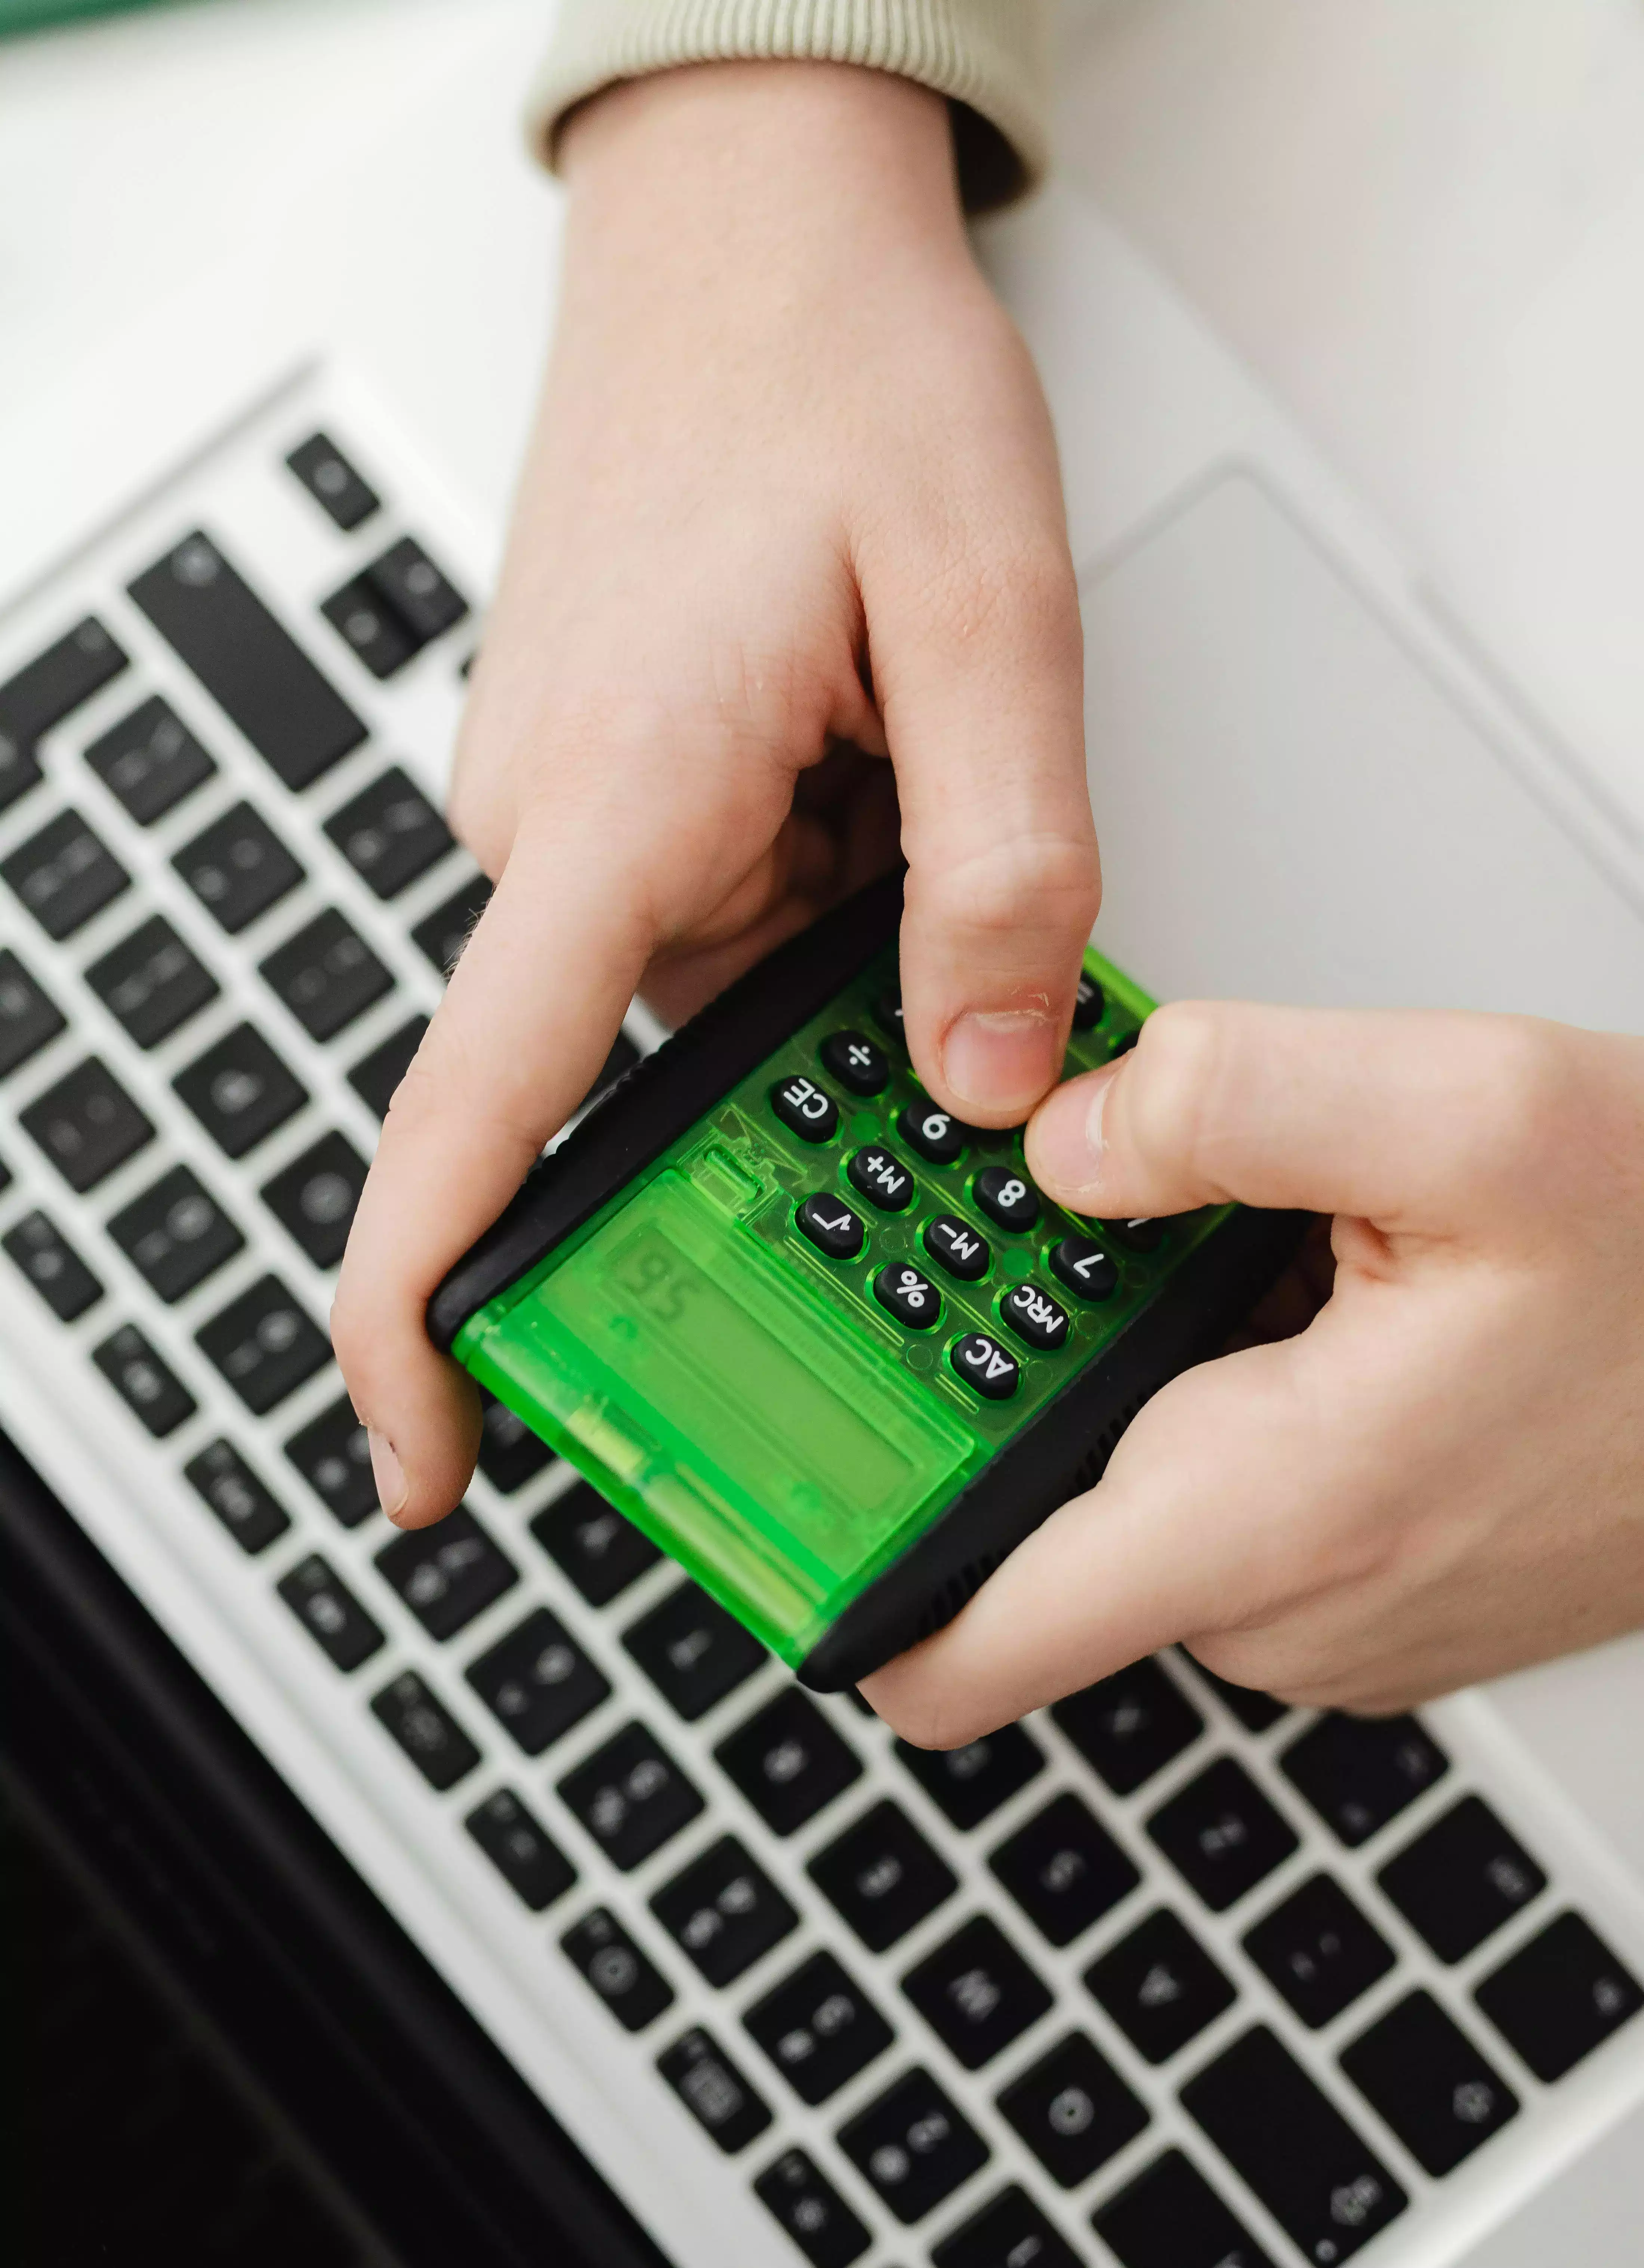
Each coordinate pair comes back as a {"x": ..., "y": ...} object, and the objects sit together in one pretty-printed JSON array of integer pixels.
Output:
[{"x": 988, "y": 57}]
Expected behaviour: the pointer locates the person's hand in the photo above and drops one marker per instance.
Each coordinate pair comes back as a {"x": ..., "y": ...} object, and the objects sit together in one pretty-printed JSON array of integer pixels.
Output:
[
  {"x": 792, "y": 506},
  {"x": 1442, "y": 1477}
]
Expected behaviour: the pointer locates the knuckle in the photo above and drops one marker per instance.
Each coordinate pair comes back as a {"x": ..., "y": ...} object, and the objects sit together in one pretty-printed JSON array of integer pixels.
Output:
[{"x": 1025, "y": 887}]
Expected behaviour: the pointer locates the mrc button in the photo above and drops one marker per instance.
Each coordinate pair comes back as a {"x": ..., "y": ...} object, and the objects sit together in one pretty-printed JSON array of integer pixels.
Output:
[
  {"x": 1034, "y": 1316},
  {"x": 804, "y": 1109},
  {"x": 983, "y": 1363}
]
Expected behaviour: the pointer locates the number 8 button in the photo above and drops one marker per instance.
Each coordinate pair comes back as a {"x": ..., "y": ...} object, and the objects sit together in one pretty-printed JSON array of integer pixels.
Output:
[
  {"x": 911, "y": 1297},
  {"x": 1006, "y": 1197}
]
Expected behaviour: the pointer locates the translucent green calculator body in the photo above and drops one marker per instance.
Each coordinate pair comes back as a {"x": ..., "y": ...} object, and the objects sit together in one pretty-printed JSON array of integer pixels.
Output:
[{"x": 827, "y": 1345}]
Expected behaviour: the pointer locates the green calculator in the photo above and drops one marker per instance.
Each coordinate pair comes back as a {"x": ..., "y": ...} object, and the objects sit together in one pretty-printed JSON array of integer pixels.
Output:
[{"x": 827, "y": 1345}]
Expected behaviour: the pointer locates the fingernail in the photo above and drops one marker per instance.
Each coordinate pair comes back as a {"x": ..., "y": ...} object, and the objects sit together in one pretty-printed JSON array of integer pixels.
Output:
[
  {"x": 1001, "y": 1059},
  {"x": 1067, "y": 1137},
  {"x": 388, "y": 1472}
]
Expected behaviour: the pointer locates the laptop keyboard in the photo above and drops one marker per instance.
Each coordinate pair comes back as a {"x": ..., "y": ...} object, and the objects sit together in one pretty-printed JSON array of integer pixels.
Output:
[{"x": 1169, "y": 1974}]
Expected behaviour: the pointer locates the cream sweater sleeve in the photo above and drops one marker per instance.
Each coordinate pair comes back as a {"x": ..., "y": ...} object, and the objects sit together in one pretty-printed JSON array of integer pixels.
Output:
[{"x": 988, "y": 57}]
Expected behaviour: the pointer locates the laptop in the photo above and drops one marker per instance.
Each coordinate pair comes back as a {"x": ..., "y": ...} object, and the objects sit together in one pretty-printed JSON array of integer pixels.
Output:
[{"x": 564, "y": 1923}]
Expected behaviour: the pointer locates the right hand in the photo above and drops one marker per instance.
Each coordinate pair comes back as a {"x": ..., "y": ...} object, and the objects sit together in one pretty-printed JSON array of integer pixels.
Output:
[{"x": 792, "y": 508}]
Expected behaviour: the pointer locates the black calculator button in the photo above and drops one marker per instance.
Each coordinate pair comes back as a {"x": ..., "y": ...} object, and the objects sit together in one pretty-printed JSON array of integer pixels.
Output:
[
  {"x": 1072, "y": 2111},
  {"x": 327, "y": 974},
  {"x": 831, "y": 1227},
  {"x": 587, "y": 1539},
  {"x": 375, "y": 1076},
  {"x": 1009, "y": 2232},
  {"x": 630, "y": 1987},
  {"x": 510, "y": 1453},
  {"x": 63, "y": 875},
  {"x": 935, "y": 1134},
  {"x": 714, "y": 2091},
  {"x": 883, "y": 1876},
  {"x": 314, "y": 1197},
  {"x": 1358, "y": 1772},
  {"x": 333, "y": 1454},
  {"x": 369, "y": 627},
  {"x": 329, "y": 1612},
  {"x": 1559, "y": 1997},
  {"x": 28, "y": 1019},
  {"x": 968, "y": 1784},
  {"x": 538, "y": 1682},
  {"x": 788, "y": 1761},
  {"x": 264, "y": 1344},
  {"x": 1035, "y": 1317},
  {"x": 812, "y": 2213},
  {"x": 425, "y": 1729},
  {"x": 150, "y": 983},
  {"x": 176, "y": 1233},
  {"x": 419, "y": 595},
  {"x": 1431, "y": 2084},
  {"x": 1142, "y": 1234},
  {"x": 1170, "y": 2217},
  {"x": 977, "y": 1992},
  {"x": 852, "y": 1059},
  {"x": 1256, "y": 1710},
  {"x": 448, "y": 1574},
  {"x": 143, "y": 1380},
  {"x": 882, "y": 1178},
  {"x": 913, "y": 2146},
  {"x": 693, "y": 1650},
  {"x": 389, "y": 833},
  {"x": 630, "y": 1796},
  {"x": 1007, "y": 1196},
  {"x": 238, "y": 867},
  {"x": 332, "y": 482},
  {"x": 911, "y": 1297},
  {"x": 247, "y": 1509},
  {"x": 887, "y": 1012},
  {"x": 1064, "y": 1869},
  {"x": 1319, "y": 1951},
  {"x": 1122, "y": 1046},
  {"x": 953, "y": 1244},
  {"x": 87, "y": 1124},
  {"x": 1088, "y": 1002},
  {"x": 1221, "y": 1833},
  {"x": 1462, "y": 1880},
  {"x": 1085, "y": 1269},
  {"x": 524, "y": 1854},
  {"x": 442, "y": 934},
  {"x": 52, "y": 1267},
  {"x": 1321, "y": 2182},
  {"x": 43, "y": 693},
  {"x": 724, "y": 1911},
  {"x": 805, "y": 1109},
  {"x": 1129, "y": 1726},
  {"x": 239, "y": 1091},
  {"x": 150, "y": 761},
  {"x": 818, "y": 2028},
  {"x": 984, "y": 1364},
  {"x": 1160, "y": 1986}
]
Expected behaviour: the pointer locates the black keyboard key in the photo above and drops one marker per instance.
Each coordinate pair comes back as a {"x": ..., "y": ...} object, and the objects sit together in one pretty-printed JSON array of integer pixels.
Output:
[
  {"x": 1559, "y": 1997},
  {"x": 369, "y": 627},
  {"x": 953, "y": 1244},
  {"x": 1035, "y": 1317},
  {"x": 442, "y": 934},
  {"x": 52, "y": 1267},
  {"x": 1321, "y": 2184},
  {"x": 913, "y": 2146},
  {"x": 693, "y": 1650},
  {"x": 537, "y": 1680},
  {"x": 977, "y": 1992},
  {"x": 389, "y": 833},
  {"x": 63, "y": 875},
  {"x": 151, "y": 982},
  {"x": 1141, "y": 1232},
  {"x": 238, "y": 867},
  {"x": 248, "y": 661},
  {"x": 425, "y": 1729},
  {"x": 524, "y": 1854},
  {"x": 375, "y": 1076},
  {"x": 1430, "y": 2083},
  {"x": 587, "y": 1539},
  {"x": 831, "y": 1226},
  {"x": 969, "y": 1783},
  {"x": 1064, "y": 1869},
  {"x": 881, "y": 1176},
  {"x": 883, "y": 1876},
  {"x": 1130, "y": 1724},
  {"x": 1072, "y": 2111},
  {"x": 1085, "y": 1267},
  {"x": 28, "y": 1019},
  {"x": 1170, "y": 2217},
  {"x": 1089, "y": 1000},
  {"x": 510, "y": 1453},
  {"x": 239, "y": 1091},
  {"x": 813, "y": 2211},
  {"x": 332, "y": 482},
  {"x": 852, "y": 1059},
  {"x": 1221, "y": 1833},
  {"x": 330, "y": 1613},
  {"x": 908, "y": 1295},
  {"x": 333, "y": 1454},
  {"x": 714, "y": 2091},
  {"x": 723, "y": 1910},
  {"x": 247, "y": 1509},
  {"x": 448, "y": 1574},
  {"x": 1358, "y": 1772},
  {"x": 424, "y": 599},
  {"x": 1007, "y": 1196},
  {"x": 1256, "y": 1710},
  {"x": 327, "y": 974},
  {"x": 175, "y": 1234},
  {"x": 315, "y": 1196},
  {"x": 805, "y": 1109},
  {"x": 150, "y": 761},
  {"x": 1009, "y": 2232},
  {"x": 1319, "y": 1951},
  {"x": 788, "y": 1761},
  {"x": 630, "y": 1796},
  {"x": 937, "y": 1135},
  {"x": 888, "y": 1014},
  {"x": 264, "y": 1344},
  {"x": 1160, "y": 1986},
  {"x": 143, "y": 1380},
  {"x": 631, "y": 1987},
  {"x": 986, "y": 1366},
  {"x": 818, "y": 2028},
  {"x": 87, "y": 1124},
  {"x": 1461, "y": 1879},
  {"x": 44, "y": 691}
]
